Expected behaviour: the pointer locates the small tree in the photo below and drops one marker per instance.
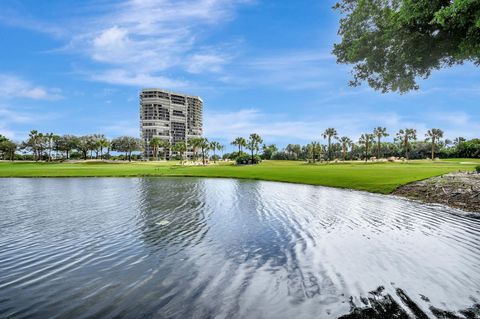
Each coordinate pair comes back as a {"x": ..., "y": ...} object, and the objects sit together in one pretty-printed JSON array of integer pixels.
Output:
[
  {"x": 379, "y": 132},
  {"x": 195, "y": 144},
  {"x": 35, "y": 143},
  {"x": 253, "y": 144},
  {"x": 7, "y": 148},
  {"x": 345, "y": 142},
  {"x": 103, "y": 143},
  {"x": 180, "y": 148},
  {"x": 164, "y": 146},
  {"x": 204, "y": 145},
  {"x": 155, "y": 145},
  {"x": 366, "y": 141},
  {"x": 314, "y": 149},
  {"x": 329, "y": 134},
  {"x": 434, "y": 135},
  {"x": 82, "y": 145},
  {"x": 65, "y": 144},
  {"x": 269, "y": 151},
  {"x": 127, "y": 145},
  {"x": 405, "y": 136},
  {"x": 240, "y": 142},
  {"x": 215, "y": 146}
]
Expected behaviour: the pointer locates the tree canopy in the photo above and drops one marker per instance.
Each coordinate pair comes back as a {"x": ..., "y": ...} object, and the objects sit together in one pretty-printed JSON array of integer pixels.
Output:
[{"x": 392, "y": 43}]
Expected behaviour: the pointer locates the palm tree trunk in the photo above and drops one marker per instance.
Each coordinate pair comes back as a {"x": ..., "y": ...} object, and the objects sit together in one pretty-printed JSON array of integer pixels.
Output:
[
  {"x": 433, "y": 148},
  {"x": 329, "y": 149},
  {"x": 378, "y": 148}
]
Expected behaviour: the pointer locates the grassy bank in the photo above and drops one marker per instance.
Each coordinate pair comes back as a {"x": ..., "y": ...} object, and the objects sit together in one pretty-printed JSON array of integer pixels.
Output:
[{"x": 374, "y": 177}]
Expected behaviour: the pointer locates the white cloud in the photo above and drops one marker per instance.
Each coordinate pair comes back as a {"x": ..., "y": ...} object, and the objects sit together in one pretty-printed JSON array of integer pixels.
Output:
[
  {"x": 144, "y": 39},
  {"x": 9, "y": 117},
  {"x": 199, "y": 63},
  {"x": 296, "y": 70},
  {"x": 13, "y": 87},
  {"x": 22, "y": 20},
  {"x": 120, "y": 76},
  {"x": 129, "y": 128},
  {"x": 110, "y": 44},
  {"x": 6, "y": 132}
]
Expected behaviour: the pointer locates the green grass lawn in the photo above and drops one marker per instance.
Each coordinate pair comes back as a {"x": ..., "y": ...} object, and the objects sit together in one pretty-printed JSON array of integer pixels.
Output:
[{"x": 374, "y": 177}]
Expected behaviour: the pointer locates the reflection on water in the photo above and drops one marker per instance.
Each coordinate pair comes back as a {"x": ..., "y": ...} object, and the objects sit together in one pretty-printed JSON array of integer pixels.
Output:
[{"x": 182, "y": 248}]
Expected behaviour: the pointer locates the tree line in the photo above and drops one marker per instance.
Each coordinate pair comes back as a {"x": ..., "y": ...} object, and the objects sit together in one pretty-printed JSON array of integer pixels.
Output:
[
  {"x": 371, "y": 145},
  {"x": 47, "y": 146},
  {"x": 200, "y": 146}
]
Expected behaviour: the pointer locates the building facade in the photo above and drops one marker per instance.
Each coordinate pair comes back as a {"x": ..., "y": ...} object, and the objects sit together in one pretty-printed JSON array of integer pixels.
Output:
[{"x": 174, "y": 117}]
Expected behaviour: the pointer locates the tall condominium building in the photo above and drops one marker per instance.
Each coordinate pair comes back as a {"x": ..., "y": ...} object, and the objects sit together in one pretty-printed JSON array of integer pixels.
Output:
[{"x": 171, "y": 116}]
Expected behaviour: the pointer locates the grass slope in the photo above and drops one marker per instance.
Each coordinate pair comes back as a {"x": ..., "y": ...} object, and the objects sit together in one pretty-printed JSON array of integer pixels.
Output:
[{"x": 374, "y": 177}]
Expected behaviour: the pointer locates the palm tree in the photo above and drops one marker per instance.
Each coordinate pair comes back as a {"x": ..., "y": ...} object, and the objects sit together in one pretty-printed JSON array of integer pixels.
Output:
[
  {"x": 314, "y": 148},
  {"x": 239, "y": 142},
  {"x": 103, "y": 143},
  {"x": 180, "y": 148},
  {"x": 329, "y": 134},
  {"x": 49, "y": 137},
  {"x": 253, "y": 144},
  {"x": 215, "y": 146},
  {"x": 346, "y": 142},
  {"x": 204, "y": 146},
  {"x": 366, "y": 140},
  {"x": 404, "y": 136},
  {"x": 155, "y": 145},
  {"x": 164, "y": 145},
  {"x": 458, "y": 140},
  {"x": 352, "y": 149},
  {"x": 379, "y": 132},
  {"x": 434, "y": 135},
  {"x": 195, "y": 143},
  {"x": 33, "y": 143}
]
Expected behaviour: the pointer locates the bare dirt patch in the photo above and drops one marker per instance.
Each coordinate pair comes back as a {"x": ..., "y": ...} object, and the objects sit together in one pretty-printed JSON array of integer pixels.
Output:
[{"x": 460, "y": 190}]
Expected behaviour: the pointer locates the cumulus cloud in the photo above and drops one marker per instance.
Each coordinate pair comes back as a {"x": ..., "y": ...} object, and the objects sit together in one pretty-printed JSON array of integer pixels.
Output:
[{"x": 145, "y": 39}]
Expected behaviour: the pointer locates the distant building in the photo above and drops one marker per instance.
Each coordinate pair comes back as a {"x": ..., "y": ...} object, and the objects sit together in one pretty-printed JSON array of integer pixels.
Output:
[{"x": 171, "y": 116}]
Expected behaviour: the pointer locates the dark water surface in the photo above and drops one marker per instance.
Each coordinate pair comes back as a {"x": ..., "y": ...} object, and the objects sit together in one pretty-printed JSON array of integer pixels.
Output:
[{"x": 220, "y": 248}]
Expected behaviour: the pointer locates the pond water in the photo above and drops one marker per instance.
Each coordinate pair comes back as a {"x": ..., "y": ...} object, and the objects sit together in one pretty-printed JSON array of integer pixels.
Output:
[{"x": 224, "y": 248}]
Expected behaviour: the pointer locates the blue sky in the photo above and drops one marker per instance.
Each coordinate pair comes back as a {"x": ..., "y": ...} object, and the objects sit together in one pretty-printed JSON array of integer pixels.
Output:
[{"x": 260, "y": 66}]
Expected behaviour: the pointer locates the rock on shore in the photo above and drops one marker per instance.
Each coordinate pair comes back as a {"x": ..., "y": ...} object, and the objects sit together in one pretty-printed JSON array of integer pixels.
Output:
[{"x": 459, "y": 190}]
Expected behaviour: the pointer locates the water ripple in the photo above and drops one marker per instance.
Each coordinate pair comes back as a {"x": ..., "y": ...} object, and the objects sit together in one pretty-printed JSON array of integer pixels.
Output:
[{"x": 206, "y": 248}]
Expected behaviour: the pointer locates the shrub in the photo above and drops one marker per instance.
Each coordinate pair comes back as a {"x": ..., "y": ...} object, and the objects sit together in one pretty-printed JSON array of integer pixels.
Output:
[
  {"x": 234, "y": 155},
  {"x": 477, "y": 168},
  {"x": 247, "y": 159}
]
